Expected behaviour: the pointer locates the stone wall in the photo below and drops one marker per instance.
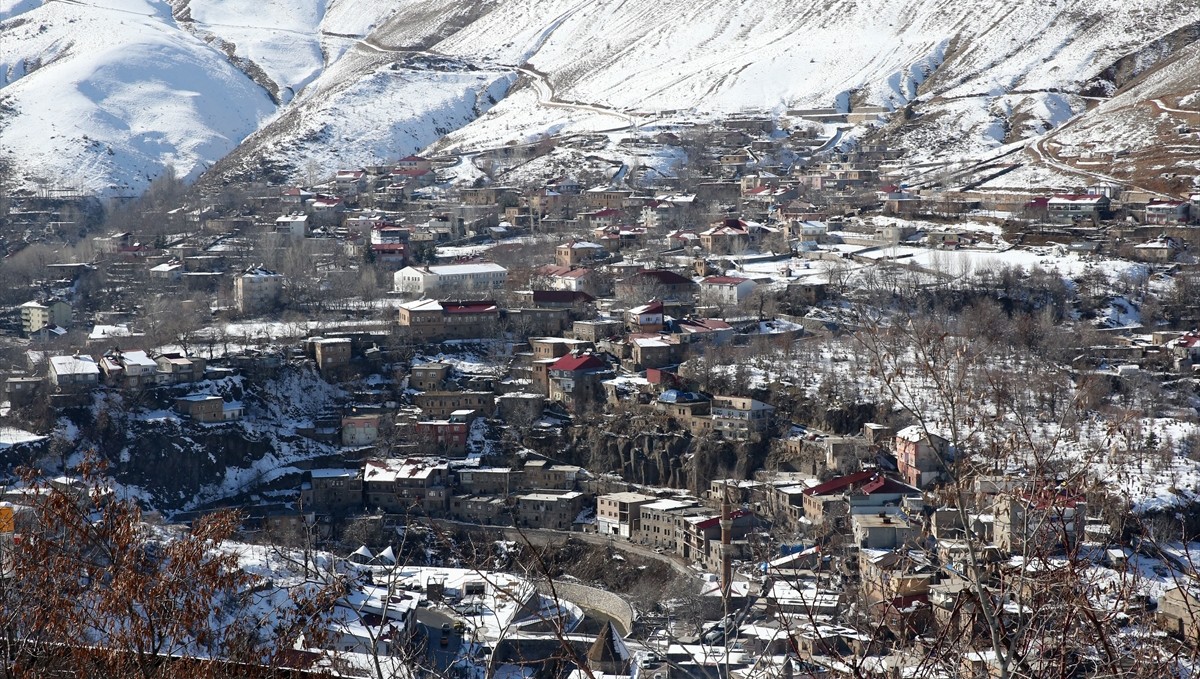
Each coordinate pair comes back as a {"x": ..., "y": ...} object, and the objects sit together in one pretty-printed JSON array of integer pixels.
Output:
[{"x": 611, "y": 605}]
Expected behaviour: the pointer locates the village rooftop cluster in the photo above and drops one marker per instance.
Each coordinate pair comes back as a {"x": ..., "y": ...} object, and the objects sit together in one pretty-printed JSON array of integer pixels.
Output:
[{"x": 470, "y": 332}]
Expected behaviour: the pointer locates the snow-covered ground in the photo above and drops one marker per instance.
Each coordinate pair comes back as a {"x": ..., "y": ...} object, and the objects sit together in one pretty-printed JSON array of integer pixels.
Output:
[
  {"x": 138, "y": 85},
  {"x": 1149, "y": 461}
]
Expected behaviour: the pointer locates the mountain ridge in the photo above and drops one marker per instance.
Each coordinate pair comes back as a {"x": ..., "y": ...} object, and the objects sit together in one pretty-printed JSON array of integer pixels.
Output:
[{"x": 338, "y": 82}]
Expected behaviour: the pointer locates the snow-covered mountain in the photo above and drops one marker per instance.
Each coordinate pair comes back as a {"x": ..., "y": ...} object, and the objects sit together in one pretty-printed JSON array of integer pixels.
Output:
[{"x": 102, "y": 93}]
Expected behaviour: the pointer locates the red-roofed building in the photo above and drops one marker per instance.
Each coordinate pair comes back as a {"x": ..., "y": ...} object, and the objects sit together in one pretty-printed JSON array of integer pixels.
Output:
[
  {"x": 656, "y": 284},
  {"x": 560, "y": 299},
  {"x": 831, "y": 502},
  {"x": 600, "y": 219},
  {"x": 557, "y": 277},
  {"x": 646, "y": 318},
  {"x": 1073, "y": 207},
  {"x": 350, "y": 182},
  {"x": 575, "y": 379},
  {"x": 1167, "y": 212},
  {"x": 701, "y": 537},
  {"x": 429, "y": 320}
]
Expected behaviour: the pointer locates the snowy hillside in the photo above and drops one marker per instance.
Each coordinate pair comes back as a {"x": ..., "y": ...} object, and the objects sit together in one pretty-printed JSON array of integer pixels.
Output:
[
  {"x": 140, "y": 83},
  {"x": 102, "y": 96}
]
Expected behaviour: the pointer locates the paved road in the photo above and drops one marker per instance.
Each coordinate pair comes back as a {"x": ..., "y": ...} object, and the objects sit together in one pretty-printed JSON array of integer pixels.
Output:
[{"x": 430, "y": 632}]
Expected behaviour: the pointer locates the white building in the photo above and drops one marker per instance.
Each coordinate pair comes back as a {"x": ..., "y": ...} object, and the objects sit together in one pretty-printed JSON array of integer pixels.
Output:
[
  {"x": 740, "y": 418},
  {"x": 451, "y": 280},
  {"x": 725, "y": 290},
  {"x": 295, "y": 226},
  {"x": 35, "y": 315},
  {"x": 129, "y": 368},
  {"x": 74, "y": 371},
  {"x": 257, "y": 289}
]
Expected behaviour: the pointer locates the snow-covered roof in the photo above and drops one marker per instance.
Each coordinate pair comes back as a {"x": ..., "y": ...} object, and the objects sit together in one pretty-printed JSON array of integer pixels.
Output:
[
  {"x": 260, "y": 272},
  {"x": 138, "y": 358},
  {"x": 199, "y": 398},
  {"x": 334, "y": 473},
  {"x": 914, "y": 433},
  {"x": 386, "y": 556},
  {"x": 655, "y": 307},
  {"x": 422, "y": 305},
  {"x": 725, "y": 280},
  {"x": 390, "y": 470},
  {"x": 650, "y": 342},
  {"x": 11, "y": 436},
  {"x": 461, "y": 269},
  {"x": 1077, "y": 199},
  {"x": 103, "y": 332},
  {"x": 74, "y": 365}
]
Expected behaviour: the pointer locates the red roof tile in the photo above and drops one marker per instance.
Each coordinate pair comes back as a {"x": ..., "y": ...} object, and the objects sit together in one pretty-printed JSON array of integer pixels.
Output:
[{"x": 577, "y": 362}]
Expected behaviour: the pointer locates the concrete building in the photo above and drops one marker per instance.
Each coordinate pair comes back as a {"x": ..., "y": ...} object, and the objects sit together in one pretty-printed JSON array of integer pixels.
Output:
[
  {"x": 882, "y": 531},
  {"x": 725, "y": 290},
  {"x": 575, "y": 379},
  {"x": 1179, "y": 611},
  {"x": 1043, "y": 522},
  {"x": 1068, "y": 208},
  {"x": 540, "y": 474},
  {"x": 1167, "y": 212},
  {"x": 556, "y": 510},
  {"x": 208, "y": 408},
  {"x": 440, "y": 405},
  {"x": 332, "y": 353},
  {"x": 700, "y": 537},
  {"x": 332, "y": 490},
  {"x": 257, "y": 290},
  {"x": 175, "y": 368},
  {"x": 429, "y": 376},
  {"x": 128, "y": 369},
  {"x": 620, "y": 513},
  {"x": 659, "y": 522},
  {"x": 645, "y": 318},
  {"x": 360, "y": 430},
  {"x": 451, "y": 280},
  {"x": 830, "y": 503},
  {"x": 74, "y": 372},
  {"x": 739, "y": 418},
  {"x": 415, "y": 485},
  {"x": 486, "y": 510},
  {"x": 576, "y": 252},
  {"x": 35, "y": 315},
  {"x": 488, "y": 480},
  {"x": 446, "y": 436},
  {"x": 921, "y": 456},
  {"x": 428, "y": 320}
]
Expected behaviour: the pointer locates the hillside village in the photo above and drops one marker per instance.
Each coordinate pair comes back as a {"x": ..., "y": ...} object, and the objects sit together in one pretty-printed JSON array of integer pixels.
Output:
[{"x": 689, "y": 372}]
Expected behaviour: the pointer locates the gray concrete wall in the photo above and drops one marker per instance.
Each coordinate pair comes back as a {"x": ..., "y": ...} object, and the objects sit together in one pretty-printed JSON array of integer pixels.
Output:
[{"x": 610, "y": 605}]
